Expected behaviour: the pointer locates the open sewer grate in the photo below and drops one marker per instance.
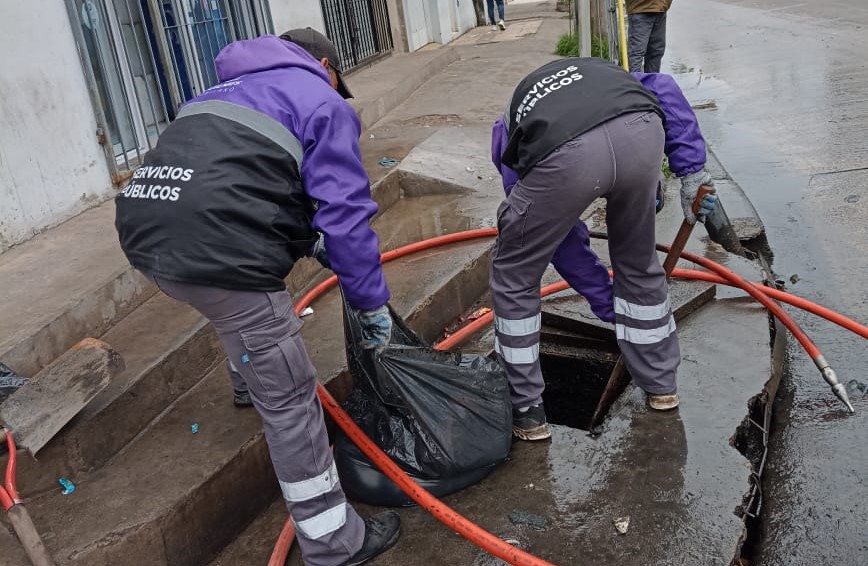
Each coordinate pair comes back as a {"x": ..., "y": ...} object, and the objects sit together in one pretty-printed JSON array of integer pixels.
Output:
[{"x": 574, "y": 385}]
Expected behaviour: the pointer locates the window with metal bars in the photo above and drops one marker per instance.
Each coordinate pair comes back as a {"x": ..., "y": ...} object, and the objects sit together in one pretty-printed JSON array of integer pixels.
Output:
[
  {"x": 359, "y": 29},
  {"x": 144, "y": 58}
]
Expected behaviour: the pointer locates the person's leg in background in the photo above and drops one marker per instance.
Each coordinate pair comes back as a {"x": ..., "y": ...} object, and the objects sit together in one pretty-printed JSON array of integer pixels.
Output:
[
  {"x": 501, "y": 13},
  {"x": 260, "y": 334},
  {"x": 656, "y": 44},
  {"x": 539, "y": 212},
  {"x": 241, "y": 396},
  {"x": 637, "y": 42},
  {"x": 489, "y": 4},
  {"x": 644, "y": 324}
]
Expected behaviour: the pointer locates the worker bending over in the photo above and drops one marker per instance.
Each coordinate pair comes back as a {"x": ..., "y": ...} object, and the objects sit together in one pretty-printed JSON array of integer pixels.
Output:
[
  {"x": 577, "y": 129},
  {"x": 233, "y": 194}
]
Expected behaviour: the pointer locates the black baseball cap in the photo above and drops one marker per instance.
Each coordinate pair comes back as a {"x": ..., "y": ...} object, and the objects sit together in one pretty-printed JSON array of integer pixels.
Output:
[{"x": 319, "y": 46}]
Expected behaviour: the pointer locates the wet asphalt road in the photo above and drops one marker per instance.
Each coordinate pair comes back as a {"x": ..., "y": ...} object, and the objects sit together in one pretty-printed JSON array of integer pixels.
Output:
[{"x": 790, "y": 84}]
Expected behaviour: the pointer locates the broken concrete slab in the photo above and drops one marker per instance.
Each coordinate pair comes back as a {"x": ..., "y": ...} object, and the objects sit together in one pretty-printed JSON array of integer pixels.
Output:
[
  {"x": 67, "y": 283},
  {"x": 167, "y": 347},
  {"x": 40, "y": 408}
]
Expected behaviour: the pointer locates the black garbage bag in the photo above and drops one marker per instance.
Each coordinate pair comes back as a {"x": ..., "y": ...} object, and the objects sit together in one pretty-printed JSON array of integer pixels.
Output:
[
  {"x": 445, "y": 418},
  {"x": 10, "y": 382}
]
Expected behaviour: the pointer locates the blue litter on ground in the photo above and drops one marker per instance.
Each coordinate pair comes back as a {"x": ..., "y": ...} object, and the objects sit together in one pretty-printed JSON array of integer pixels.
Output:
[
  {"x": 195, "y": 428},
  {"x": 68, "y": 486}
]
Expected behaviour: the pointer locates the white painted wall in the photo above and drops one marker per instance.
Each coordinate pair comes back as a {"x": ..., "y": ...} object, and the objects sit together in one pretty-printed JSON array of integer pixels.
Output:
[
  {"x": 51, "y": 166},
  {"x": 416, "y": 20},
  {"x": 440, "y": 21},
  {"x": 292, "y": 14},
  {"x": 466, "y": 15}
]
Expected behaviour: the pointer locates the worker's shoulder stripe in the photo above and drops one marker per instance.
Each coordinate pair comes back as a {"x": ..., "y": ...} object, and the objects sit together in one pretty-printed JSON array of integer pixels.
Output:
[{"x": 256, "y": 121}]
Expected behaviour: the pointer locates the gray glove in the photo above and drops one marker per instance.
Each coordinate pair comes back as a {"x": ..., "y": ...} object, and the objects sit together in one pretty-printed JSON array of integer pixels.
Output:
[
  {"x": 376, "y": 328},
  {"x": 690, "y": 188},
  {"x": 318, "y": 252}
]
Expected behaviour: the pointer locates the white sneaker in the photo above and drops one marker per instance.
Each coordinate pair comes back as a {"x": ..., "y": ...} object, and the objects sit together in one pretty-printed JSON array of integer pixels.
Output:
[
  {"x": 494, "y": 28},
  {"x": 663, "y": 402},
  {"x": 501, "y": 25}
]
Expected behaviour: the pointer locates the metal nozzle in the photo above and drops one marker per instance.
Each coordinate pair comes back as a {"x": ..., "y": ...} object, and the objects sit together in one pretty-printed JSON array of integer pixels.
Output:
[{"x": 832, "y": 379}]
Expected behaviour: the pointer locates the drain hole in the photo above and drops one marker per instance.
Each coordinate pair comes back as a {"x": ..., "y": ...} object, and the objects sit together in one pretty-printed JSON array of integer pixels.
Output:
[{"x": 574, "y": 384}]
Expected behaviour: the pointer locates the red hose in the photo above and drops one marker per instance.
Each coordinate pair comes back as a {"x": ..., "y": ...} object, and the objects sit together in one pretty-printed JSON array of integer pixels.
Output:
[
  {"x": 774, "y": 308},
  {"x": 782, "y": 296},
  {"x": 283, "y": 544},
  {"x": 9, "y": 492},
  {"x": 441, "y": 511}
]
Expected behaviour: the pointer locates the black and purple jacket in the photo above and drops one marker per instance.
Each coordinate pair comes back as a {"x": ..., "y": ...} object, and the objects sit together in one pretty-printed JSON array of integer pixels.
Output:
[
  {"x": 684, "y": 145},
  {"x": 238, "y": 185}
]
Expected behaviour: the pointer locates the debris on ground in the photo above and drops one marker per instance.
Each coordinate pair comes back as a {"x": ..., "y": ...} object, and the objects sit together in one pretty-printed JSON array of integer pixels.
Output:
[
  {"x": 194, "y": 428},
  {"x": 794, "y": 278},
  {"x": 10, "y": 382},
  {"x": 307, "y": 311},
  {"x": 622, "y": 524},
  {"x": 68, "y": 486},
  {"x": 389, "y": 162},
  {"x": 459, "y": 322},
  {"x": 519, "y": 518},
  {"x": 854, "y": 385}
]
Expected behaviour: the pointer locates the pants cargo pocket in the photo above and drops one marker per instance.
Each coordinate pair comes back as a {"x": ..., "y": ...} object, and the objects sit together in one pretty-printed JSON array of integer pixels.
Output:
[
  {"x": 277, "y": 360},
  {"x": 511, "y": 220}
]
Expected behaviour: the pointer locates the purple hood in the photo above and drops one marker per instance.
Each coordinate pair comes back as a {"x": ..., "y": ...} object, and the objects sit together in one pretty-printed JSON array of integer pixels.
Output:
[
  {"x": 281, "y": 80},
  {"x": 264, "y": 54}
]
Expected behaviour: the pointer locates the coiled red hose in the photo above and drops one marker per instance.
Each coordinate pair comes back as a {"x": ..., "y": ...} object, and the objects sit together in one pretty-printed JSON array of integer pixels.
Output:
[{"x": 441, "y": 511}]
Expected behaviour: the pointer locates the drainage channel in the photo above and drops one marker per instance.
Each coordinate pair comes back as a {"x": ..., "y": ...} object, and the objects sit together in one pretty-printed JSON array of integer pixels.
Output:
[
  {"x": 575, "y": 379},
  {"x": 575, "y": 367}
]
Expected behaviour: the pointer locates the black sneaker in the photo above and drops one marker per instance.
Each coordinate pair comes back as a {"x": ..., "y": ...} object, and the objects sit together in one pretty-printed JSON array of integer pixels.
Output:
[
  {"x": 241, "y": 398},
  {"x": 381, "y": 533},
  {"x": 530, "y": 424}
]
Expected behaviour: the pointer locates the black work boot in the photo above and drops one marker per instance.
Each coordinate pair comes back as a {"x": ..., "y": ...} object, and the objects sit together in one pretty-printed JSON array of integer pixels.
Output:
[
  {"x": 381, "y": 533},
  {"x": 241, "y": 398},
  {"x": 530, "y": 423}
]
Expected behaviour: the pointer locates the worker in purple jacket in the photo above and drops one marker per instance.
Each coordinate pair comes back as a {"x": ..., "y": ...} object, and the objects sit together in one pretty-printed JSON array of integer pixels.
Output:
[
  {"x": 577, "y": 129},
  {"x": 237, "y": 189}
]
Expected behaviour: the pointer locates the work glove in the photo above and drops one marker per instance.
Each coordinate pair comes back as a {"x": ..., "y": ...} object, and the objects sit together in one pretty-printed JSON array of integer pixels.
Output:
[
  {"x": 318, "y": 252},
  {"x": 376, "y": 328},
  {"x": 690, "y": 188}
]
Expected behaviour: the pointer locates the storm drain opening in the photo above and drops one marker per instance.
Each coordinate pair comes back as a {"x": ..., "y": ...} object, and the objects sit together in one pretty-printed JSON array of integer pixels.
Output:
[{"x": 575, "y": 378}]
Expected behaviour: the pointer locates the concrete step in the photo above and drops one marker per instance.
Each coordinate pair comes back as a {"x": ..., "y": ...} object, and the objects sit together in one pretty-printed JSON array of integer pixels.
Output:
[
  {"x": 65, "y": 284},
  {"x": 168, "y": 347},
  {"x": 172, "y": 497}
]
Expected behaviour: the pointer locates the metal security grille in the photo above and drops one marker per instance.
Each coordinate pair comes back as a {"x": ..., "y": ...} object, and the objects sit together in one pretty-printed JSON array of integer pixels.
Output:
[
  {"x": 359, "y": 29},
  {"x": 144, "y": 58}
]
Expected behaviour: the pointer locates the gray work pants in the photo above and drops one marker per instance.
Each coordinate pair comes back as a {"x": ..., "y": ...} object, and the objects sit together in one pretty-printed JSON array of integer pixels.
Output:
[
  {"x": 260, "y": 333},
  {"x": 647, "y": 41},
  {"x": 620, "y": 161}
]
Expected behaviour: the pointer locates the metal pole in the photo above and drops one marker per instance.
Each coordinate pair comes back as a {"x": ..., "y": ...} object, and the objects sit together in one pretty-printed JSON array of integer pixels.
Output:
[
  {"x": 584, "y": 25},
  {"x": 622, "y": 34}
]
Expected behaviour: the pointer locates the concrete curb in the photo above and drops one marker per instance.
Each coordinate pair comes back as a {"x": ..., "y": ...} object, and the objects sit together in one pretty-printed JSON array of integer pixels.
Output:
[{"x": 744, "y": 217}]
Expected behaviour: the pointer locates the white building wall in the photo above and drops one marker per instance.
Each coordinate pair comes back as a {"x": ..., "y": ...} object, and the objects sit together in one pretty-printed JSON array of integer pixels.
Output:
[
  {"x": 292, "y": 14},
  {"x": 440, "y": 21},
  {"x": 51, "y": 166},
  {"x": 466, "y": 15}
]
